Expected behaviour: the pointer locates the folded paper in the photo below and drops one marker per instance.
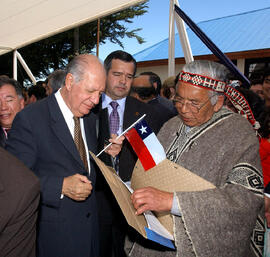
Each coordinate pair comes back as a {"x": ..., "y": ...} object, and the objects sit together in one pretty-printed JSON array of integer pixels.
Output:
[{"x": 166, "y": 176}]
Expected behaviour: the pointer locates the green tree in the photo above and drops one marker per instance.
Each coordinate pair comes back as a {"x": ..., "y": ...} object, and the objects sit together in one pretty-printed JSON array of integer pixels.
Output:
[{"x": 53, "y": 53}]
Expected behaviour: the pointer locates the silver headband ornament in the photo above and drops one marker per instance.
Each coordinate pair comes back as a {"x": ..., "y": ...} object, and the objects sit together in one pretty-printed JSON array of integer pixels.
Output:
[{"x": 236, "y": 98}]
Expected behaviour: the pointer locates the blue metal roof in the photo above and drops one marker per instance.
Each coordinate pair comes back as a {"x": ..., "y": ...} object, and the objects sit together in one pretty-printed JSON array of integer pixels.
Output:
[{"x": 241, "y": 32}]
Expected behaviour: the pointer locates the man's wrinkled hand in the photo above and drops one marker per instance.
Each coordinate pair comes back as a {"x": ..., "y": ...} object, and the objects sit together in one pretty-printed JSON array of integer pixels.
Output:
[
  {"x": 116, "y": 146},
  {"x": 77, "y": 187},
  {"x": 149, "y": 198}
]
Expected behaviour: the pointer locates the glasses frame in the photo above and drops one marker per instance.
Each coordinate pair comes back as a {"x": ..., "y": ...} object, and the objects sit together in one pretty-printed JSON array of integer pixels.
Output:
[{"x": 190, "y": 105}]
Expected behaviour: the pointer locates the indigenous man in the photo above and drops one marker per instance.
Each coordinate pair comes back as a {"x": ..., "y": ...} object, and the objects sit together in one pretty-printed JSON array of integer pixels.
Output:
[{"x": 221, "y": 147}]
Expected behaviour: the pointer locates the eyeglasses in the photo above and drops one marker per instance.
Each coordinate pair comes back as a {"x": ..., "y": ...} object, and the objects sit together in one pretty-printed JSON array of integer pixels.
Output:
[{"x": 193, "y": 107}]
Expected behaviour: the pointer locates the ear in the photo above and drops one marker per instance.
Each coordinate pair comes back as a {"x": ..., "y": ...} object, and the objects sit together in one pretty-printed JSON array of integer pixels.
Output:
[
  {"x": 219, "y": 103},
  {"x": 173, "y": 91},
  {"x": 69, "y": 81},
  {"x": 135, "y": 95},
  {"x": 22, "y": 103},
  {"x": 32, "y": 99},
  {"x": 155, "y": 85}
]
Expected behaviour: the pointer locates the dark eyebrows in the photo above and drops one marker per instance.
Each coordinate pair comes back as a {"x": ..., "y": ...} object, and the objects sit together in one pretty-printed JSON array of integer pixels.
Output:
[{"x": 10, "y": 96}]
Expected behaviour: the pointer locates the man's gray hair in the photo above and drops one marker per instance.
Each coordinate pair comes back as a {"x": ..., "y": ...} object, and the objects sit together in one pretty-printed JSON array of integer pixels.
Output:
[
  {"x": 57, "y": 79},
  {"x": 210, "y": 69},
  {"x": 77, "y": 68}
]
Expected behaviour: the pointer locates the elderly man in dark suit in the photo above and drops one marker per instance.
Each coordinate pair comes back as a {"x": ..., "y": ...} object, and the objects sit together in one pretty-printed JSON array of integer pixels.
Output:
[
  {"x": 116, "y": 105},
  {"x": 19, "y": 198},
  {"x": 52, "y": 137}
]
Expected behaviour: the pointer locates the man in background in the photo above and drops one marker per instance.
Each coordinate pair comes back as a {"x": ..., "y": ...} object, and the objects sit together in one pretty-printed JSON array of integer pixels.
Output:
[
  {"x": 266, "y": 87},
  {"x": 11, "y": 102},
  {"x": 56, "y": 80},
  {"x": 256, "y": 87},
  {"x": 117, "y": 111},
  {"x": 146, "y": 88},
  {"x": 36, "y": 93}
]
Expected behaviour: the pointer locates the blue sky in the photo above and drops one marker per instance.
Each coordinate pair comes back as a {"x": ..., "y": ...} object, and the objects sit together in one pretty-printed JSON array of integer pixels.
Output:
[{"x": 155, "y": 23}]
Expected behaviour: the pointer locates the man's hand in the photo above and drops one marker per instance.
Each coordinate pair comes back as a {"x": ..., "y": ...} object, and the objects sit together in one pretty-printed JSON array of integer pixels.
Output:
[
  {"x": 116, "y": 146},
  {"x": 152, "y": 199},
  {"x": 77, "y": 187}
]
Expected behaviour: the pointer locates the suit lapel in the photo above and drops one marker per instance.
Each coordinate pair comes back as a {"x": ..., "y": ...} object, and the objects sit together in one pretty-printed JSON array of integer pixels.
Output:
[
  {"x": 90, "y": 131},
  {"x": 105, "y": 123},
  {"x": 61, "y": 129}
]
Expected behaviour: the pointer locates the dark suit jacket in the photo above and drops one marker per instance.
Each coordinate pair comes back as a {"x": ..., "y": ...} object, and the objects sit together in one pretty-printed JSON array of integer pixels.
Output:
[
  {"x": 19, "y": 198},
  {"x": 2, "y": 137},
  {"x": 41, "y": 139},
  {"x": 165, "y": 107},
  {"x": 134, "y": 109}
]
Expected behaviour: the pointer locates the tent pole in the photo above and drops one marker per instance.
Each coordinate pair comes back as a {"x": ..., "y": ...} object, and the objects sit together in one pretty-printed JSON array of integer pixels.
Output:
[
  {"x": 28, "y": 71},
  {"x": 171, "y": 64},
  {"x": 98, "y": 29},
  {"x": 15, "y": 71},
  {"x": 183, "y": 37}
]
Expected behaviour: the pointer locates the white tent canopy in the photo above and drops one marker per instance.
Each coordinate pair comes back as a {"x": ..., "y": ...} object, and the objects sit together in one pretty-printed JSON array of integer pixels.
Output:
[{"x": 23, "y": 22}]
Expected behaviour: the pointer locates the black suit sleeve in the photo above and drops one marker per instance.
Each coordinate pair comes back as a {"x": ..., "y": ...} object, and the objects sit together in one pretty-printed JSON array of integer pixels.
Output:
[{"x": 23, "y": 144}]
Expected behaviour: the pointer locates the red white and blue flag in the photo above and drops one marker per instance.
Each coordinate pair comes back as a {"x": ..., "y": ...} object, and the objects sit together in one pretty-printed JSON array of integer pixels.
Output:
[{"x": 146, "y": 145}]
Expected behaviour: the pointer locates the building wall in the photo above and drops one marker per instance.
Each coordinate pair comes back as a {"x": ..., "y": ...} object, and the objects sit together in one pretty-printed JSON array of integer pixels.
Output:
[{"x": 162, "y": 70}]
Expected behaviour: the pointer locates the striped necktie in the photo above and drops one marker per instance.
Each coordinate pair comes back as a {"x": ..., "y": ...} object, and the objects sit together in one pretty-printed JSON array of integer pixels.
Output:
[{"x": 79, "y": 141}]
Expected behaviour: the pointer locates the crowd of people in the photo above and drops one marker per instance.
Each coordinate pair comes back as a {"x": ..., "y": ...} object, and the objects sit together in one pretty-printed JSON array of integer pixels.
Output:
[{"x": 55, "y": 201}]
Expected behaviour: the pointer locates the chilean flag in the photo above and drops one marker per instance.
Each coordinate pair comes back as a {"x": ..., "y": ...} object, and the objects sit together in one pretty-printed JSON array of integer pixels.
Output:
[{"x": 146, "y": 145}]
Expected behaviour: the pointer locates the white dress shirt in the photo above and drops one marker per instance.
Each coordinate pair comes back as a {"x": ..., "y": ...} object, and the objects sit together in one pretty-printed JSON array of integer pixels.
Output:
[{"x": 68, "y": 116}]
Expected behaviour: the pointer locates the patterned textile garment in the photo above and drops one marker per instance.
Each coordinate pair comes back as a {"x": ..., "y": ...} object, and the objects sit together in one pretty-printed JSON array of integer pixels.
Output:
[{"x": 222, "y": 222}]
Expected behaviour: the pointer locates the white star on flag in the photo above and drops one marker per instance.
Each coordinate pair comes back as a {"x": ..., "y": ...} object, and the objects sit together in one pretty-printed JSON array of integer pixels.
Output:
[
  {"x": 143, "y": 129},
  {"x": 146, "y": 145}
]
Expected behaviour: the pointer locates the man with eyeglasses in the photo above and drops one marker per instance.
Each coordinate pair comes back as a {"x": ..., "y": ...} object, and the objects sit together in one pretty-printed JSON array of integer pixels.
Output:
[
  {"x": 117, "y": 112},
  {"x": 221, "y": 147},
  {"x": 194, "y": 106},
  {"x": 11, "y": 102}
]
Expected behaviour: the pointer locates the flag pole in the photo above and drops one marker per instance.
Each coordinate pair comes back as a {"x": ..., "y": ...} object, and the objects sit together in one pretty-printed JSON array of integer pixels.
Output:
[{"x": 124, "y": 132}]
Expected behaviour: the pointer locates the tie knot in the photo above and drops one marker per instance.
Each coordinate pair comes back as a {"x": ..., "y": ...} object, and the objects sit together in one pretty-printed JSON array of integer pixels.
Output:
[
  {"x": 76, "y": 120},
  {"x": 114, "y": 105}
]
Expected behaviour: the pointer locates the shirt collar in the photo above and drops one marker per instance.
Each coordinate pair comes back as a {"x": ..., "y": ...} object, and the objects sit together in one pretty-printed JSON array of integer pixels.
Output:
[
  {"x": 106, "y": 101},
  {"x": 68, "y": 115}
]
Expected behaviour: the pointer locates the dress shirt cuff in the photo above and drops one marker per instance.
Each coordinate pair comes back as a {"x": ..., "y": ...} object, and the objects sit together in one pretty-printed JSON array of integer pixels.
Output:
[
  {"x": 62, "y": 196},
  {"x": 175, "y": 208}
]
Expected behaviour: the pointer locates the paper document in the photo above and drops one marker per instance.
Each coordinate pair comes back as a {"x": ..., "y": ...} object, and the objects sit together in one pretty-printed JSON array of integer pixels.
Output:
[
  {"x": 166, "y": 176},
  {"x": 147, "y": 225},
  {"x": 154, "y": 224},
  {"x": 152, "y": 221}
]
